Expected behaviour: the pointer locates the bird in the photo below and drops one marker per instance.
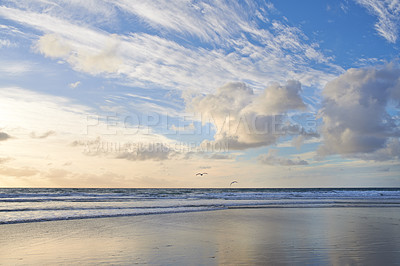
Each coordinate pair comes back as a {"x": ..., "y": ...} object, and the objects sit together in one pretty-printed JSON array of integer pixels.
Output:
[
  {"x": 233, "y": 182},
  {"x": 201, "y": 174}
]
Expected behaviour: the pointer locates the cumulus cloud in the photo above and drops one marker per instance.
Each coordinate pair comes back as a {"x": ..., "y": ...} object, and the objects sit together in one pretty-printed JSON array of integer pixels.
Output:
[
  {"x": 303, "y": 137},
  {"x": 388, "y": 13},
  {"x": 4, "y": 136},
  {"x": 243, "y": 119},
  {"x": 271, "y": 158},
  {"x": 356, "y": 120},
  {"x": 389, "y": 152}
]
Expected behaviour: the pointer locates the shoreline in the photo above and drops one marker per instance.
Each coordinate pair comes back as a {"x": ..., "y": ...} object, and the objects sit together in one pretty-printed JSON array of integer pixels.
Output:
[
  {"x": 242, "y": 236},
  {"x": 244, "y": 207}
]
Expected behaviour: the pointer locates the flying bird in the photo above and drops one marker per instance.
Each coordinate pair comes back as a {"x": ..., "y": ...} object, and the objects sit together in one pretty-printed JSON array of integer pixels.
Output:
[
  {"x": 233, "y": 182},
  {"x": 201, "y": 174}
]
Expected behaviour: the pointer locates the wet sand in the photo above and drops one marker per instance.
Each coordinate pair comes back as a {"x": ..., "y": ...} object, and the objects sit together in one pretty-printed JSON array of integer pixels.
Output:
[{"x": 318, "y": 236}]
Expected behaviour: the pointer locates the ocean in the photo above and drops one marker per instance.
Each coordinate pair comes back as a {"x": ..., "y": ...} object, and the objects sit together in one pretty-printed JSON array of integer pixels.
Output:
[{"x": 22, "y": 205}]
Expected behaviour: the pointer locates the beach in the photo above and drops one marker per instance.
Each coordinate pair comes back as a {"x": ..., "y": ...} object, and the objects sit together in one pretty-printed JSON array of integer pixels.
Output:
[{"x": 243, "y": 236}]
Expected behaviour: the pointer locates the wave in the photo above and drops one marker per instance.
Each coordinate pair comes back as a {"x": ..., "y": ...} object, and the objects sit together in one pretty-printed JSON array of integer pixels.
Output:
[
  {"x": 102, "y": 195},
  {"x": 34, "y": 205}
]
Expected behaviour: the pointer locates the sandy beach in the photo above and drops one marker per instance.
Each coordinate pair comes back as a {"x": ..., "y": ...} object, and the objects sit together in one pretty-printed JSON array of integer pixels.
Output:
[{"x": 319, "y": 236}]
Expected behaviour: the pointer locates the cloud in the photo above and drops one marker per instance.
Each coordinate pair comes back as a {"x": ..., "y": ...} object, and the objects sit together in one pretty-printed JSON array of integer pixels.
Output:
[
  {"x": 6, "y": 43},
  {"x": 219, "y": 156},
  {"x": 389, "y": 152},
  {"x": 303, "y": 137},
  {"x": 16, "y": 68},
  {"x": 106, "y": 60},
  {"x": 129, "y": 149},
  {"x": 209, "y": 21},
  {"x": 243, "y": 119},
  {"x": 51, "y": 45},
  {"x": 388, "y": 13},
  {"x": 184, "y": 128},
  {"x": 271, "y": 158},
  {"x": 5, "y": 159},
  {"x": 4, "y": 136},
  {"x": 83, "y": 59},
  {"x": 37, "y": 112},
  {"x": 356, "y": 120},
  {"x": 18, "y": 172},
  {"x": 156, "y": 152},
  {"x": 244, "y": 48},
  {"x": 42, "y": 136}
]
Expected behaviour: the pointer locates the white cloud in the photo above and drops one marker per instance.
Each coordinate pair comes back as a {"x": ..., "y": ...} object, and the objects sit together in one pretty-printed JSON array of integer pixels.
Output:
[
  {"x": 15, "y": 68},
  {"x": 271, "y": 158},
  {"x": 93, "y": 11},
  {"x": 209, "y": 21},
  {"x": 53, "y": 46},
  {"x": 355, "y": 117},
  {"x": 388, "y": 13},
  {"x": 243, "y": 119},
  {"x": 6, "y": 43},
  {"x": 94, "y": 62},
  {"x": 141, "y": 59},
  {"x": 106, "y": 60}
]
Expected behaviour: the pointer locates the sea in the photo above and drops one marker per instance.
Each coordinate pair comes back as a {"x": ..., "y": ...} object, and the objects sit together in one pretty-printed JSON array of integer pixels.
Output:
[{"x": 22, "y": 205}]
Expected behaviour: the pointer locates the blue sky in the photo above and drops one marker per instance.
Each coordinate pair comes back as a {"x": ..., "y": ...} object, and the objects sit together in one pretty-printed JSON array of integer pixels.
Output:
[{"x": 145, "y": 94}]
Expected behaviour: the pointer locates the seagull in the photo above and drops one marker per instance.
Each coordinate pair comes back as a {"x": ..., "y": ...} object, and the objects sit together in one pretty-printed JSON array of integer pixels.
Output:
[
  {"x": 201, "y": 174},
  {"x": 233, "y": 182}
]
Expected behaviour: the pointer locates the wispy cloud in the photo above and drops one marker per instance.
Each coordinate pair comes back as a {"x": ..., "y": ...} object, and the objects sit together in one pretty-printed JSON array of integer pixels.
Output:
[
  {"x": 16, "y": 68},
  {"x": 388, "y": 13},
  {"x": 215, "y": 22},
  {"x": 256, "y": 55}
]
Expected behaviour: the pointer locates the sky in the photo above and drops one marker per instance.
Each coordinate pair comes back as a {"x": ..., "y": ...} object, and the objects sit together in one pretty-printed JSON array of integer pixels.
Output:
[{"x": 118, "y": 93}]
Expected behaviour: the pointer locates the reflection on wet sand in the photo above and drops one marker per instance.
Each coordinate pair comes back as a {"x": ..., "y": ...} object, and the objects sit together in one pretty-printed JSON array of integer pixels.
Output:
[{"x": 250, "y": 236}]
